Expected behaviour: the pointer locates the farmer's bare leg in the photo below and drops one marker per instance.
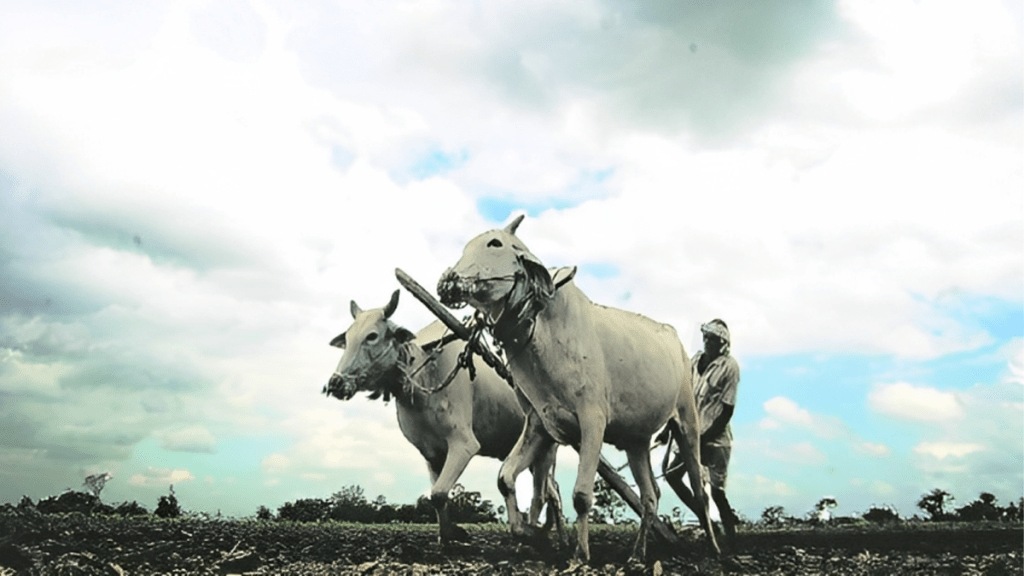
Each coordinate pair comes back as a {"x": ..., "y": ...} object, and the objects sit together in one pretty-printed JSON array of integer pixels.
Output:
[
  {"x": 689, "y": 448},
  {"x": 717, "y": 459},
  {"x": 674, "y": 476}
]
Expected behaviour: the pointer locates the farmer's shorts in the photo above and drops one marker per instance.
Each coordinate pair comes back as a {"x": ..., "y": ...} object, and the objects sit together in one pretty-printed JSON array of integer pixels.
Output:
[{"x": 716, "y": 460}]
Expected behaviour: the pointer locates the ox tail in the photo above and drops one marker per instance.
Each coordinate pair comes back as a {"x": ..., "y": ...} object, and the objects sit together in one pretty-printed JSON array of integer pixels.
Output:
[{"x": 674, "y": 426}]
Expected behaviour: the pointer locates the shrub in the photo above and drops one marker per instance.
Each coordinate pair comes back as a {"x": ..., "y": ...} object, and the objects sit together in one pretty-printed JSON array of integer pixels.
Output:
[
  {"x": 984, "y": 508},
  {"x": 70, "y": 501},
  {"x": 264, "y": 513},
  {"x": 881, "y": 514},
  {"x": 167, "y": 506},
  {"x": 132, "y": 508},
  {"x": 774, "y": 516}
]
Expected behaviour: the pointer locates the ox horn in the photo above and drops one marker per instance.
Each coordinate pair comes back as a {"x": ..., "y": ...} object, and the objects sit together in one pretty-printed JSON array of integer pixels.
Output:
[
  {"x": 392, "y": 305},
  {"x": 511, "y": 228},
  {"x": 354, "y": 308}
]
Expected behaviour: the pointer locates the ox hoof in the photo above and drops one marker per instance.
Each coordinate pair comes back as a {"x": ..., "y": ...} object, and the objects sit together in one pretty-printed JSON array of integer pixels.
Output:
[{"x": 527, "y": 532}]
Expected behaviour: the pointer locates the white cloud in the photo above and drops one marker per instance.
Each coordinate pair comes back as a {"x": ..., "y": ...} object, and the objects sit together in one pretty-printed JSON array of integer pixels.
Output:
[
  {"x": 807, "y": 453},
  {"x": 765, "y": 486},
  {"x": 944, "y": 450},
  {"x": 873, "y": 449},
  {"x": 780, "y": 410},
  {"x": 918, "y": 403},
  {"x": 785, "y": 410},
  {"x": 1014, "y": 350},
  {"x": 195, "y": 438},
  {"x": 159, "y": 477},
  {"x": 275, "y": 463}
]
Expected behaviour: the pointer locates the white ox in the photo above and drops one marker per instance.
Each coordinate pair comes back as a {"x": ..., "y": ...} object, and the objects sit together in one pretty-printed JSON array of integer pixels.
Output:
[
  {"x": 448, "y": 426},
  {"x": 593, "y": 374}
]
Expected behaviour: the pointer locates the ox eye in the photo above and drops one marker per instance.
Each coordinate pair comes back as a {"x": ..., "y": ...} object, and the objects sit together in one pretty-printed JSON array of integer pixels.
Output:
[
  {"x": 371, "y": 337},
  {"x": 494, "y": 243}
]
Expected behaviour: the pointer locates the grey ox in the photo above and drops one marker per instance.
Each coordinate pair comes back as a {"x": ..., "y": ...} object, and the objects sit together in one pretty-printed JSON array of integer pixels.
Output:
[
  {"x": 447, "y": 425},
  {"x": 593, "y": 374}
]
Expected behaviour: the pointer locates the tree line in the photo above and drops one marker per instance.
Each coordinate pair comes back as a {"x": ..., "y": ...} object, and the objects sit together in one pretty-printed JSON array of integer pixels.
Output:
[
  {"x": 346, "y": 505},
  {"x": 936, "y": 504},
  {"x": 350, "y": 504}
]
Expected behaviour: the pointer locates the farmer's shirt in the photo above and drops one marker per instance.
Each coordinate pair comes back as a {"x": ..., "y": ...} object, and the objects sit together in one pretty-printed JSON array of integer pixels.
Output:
[{"x": 714, "y": 389}]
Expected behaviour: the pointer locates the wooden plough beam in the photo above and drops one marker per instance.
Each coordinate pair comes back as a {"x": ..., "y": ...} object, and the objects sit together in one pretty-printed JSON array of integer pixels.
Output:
[{"x": 663, "y": 530}]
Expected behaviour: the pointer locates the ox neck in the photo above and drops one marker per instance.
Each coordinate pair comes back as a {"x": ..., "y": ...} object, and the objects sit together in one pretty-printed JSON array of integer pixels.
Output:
[
  {"x": 517, "y": 319},
  {"x": 415, "y": 365}
]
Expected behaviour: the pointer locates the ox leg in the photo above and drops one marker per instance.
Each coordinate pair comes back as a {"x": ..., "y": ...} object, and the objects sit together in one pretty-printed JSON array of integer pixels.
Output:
[
  {"x": 592, "y": 437},
  {"x": 460, "y": 452},
  {"x": 532, "y": 445},
  {"x": 545, "y": 491},
  {"x": 689, "y": 451},
  {"x": 435, "y": 466},
  {"x": 640, "y": 465}
]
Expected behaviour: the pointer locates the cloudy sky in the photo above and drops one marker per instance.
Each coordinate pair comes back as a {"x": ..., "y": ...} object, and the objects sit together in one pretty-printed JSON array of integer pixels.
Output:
[{"x": 192, "y": 192}]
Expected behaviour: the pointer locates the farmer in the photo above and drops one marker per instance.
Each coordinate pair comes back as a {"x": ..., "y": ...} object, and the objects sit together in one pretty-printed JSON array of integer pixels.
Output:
[{"x": 716, "y": 376}]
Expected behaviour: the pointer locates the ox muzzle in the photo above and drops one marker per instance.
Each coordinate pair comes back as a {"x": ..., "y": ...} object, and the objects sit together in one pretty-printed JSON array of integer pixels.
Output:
[
  {"x": 341, "y": 387},
  {"x": 453, "y": 289}
]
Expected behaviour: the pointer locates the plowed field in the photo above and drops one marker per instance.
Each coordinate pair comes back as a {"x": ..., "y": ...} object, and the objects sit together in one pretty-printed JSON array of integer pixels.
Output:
[{"x": 33, "y": 543}]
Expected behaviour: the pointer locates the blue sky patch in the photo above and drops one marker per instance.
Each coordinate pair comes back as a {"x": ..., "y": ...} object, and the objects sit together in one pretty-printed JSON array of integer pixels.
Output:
[
  {"x": 436, "y": 162},
  {"x": 599, "y": 269},
  {"x": 342, "y": 157},
  {"x": 499, "y": 209}
]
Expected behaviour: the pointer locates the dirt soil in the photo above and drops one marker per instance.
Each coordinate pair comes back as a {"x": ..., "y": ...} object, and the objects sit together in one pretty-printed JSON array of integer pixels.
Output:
[{"x": 33, "y": 543}]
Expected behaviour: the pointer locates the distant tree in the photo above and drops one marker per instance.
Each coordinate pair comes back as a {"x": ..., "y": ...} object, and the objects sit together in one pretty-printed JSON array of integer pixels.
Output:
[
  {"x": 773, "y": 516},
  {"x": 349, "y": 504},
  {"x": 94, "y": 483},
  {"x": 822, "y": 510},
  {"x": 881, "y": 514},
  {"x": 934, "y": 504},
  {"x": 264, "y": 513},
  {"x": 305, "y": 510},
  {"x": 984, "y": 508},
  {"x": 167, "y": 506},
  {"x": 469, "y": 507},
  {"x": 1014, "y": 512},
  {"x": 26, "y": 504},
  {"x": 608, "y": 507}
]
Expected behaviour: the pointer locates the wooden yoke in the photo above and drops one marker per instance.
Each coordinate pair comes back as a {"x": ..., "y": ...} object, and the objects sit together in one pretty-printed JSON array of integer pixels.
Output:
[{"x": 604, "y": 469}]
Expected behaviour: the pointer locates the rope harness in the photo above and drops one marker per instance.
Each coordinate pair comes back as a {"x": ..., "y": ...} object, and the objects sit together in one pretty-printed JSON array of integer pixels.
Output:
[{"x": 511, "y": 331}]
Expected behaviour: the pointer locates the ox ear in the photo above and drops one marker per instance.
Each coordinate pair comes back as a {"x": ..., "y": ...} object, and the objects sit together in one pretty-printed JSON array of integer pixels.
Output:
[
  {"x": 513, "y": 225},
  {"x": 536, "y": 273},
  {"x": 354, "y": 308},
  {"x": 403, "y": 335},
  {"x": 339, "y": 341},
  {"x": 389, "y": 309}
]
